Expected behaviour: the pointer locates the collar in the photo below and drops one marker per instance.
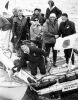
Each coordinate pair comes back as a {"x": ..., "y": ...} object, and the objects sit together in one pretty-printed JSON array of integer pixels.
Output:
[{"x": 52, "y": 8}]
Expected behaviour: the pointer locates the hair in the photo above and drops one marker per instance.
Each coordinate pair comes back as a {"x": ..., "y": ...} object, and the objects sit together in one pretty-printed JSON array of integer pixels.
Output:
[
  {"x": 65, "y": 14},
  {"x": 52, "y": 2},
  {"x": 36, "y": 9},
  {"x": 39, "y": 10}
]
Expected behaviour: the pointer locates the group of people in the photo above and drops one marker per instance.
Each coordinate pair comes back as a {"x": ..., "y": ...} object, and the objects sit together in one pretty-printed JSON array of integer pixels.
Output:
[{"x": 35, "y": 36}]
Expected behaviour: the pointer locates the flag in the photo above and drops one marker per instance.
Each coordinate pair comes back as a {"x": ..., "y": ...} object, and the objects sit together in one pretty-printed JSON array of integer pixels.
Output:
[
  {"x": 76, "y": 43},
  {"x": 67, "y": 42},
  {"x": 6, "y": 5}
]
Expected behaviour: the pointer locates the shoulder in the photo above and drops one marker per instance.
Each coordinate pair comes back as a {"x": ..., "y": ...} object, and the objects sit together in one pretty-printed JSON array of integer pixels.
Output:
[
  {"x": 47, "y": 9},
  {"x": 71, "y": 22},
  {"x": 24, "y": 18},
  {"x": 45, "y": 24},
  {"x": 56, "y": 8},
  {"x": 60, "y": 24},
  {"x": 32, "y": 15}
]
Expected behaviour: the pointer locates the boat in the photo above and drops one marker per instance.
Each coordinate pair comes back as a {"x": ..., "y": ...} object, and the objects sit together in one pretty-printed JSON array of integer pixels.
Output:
[{"x": 57, "y": 81}]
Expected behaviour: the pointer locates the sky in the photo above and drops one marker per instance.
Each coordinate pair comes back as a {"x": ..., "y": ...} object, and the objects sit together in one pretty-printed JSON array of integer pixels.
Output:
[
  {"x": 69, "y": 6},
  {"x": 27, "y": 4}
]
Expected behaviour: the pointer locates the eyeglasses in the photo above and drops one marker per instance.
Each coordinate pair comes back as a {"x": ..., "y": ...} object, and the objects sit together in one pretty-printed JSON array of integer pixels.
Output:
[{"x": 36, "y": 20}]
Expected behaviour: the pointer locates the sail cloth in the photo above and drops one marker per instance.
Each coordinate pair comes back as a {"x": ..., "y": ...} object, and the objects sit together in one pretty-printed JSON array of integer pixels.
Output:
[
  {"x": 5, "y": 32},
  {"x": 5, "y": 60},
  {"x": 6, "y": 5},
  {"x": 67, "y": 42},
  {"x": 4, "y": 24}
]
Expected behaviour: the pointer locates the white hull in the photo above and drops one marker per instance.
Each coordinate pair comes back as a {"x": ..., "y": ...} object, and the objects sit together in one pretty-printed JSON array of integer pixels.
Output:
[{"x": 11, "y": 91}]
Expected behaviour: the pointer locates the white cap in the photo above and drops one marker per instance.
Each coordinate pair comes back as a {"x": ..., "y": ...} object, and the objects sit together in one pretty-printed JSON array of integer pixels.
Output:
[{"x": 52, "y": 15}]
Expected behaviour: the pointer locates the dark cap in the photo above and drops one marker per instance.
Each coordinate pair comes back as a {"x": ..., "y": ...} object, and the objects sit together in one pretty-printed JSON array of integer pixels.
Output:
[
  {"x": 65, "y": 14},
  {"x": 36, "y": 9}
]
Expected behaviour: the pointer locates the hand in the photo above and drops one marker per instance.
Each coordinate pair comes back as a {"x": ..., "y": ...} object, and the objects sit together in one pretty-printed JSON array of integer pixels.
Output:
[
  {"x": 14, "y": 36},
  {"x": 56, "y": 36}
]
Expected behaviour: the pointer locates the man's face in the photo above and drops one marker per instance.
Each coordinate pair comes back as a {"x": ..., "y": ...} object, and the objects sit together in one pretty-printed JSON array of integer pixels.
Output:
[
  {"x": 36, "y": 12},
  {"x": 64, "y": 18},
  {"x": 52, "y": 19},
  {"x": 20, "y": 13},
  {"x": 25, "y": 49},
  {"x": 15, "y": 12}
]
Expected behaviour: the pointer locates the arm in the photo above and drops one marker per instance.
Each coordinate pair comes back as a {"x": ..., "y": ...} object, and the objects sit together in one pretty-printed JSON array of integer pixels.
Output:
[
  {"x": 22, "y": 62},
  {"x": 38, "y": 51},
  {"x": 14, "y": 27},
  {"x": 60, "y": 30},
  {"x": 59, "y": 13},
  {"x": 73, "y": 29},
  {"x": 32, "y": 18},
  {"x": 47, "y": 13}
]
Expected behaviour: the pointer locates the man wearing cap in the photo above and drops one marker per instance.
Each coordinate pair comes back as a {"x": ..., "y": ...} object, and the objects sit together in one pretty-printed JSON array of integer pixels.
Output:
[
  {"x": 36, "y": 27},
  {"x": 50, "y": 33},
  {"x": 37, "y": 16},
  {"x": 19, "y": 28},
  {"x": 53, "y": 9}
]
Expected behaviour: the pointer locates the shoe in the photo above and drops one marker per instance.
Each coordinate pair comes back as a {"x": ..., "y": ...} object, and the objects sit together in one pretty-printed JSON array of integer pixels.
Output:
[
  {"x": 65, "y": 65},
  {"x": 73, "y": 67}
]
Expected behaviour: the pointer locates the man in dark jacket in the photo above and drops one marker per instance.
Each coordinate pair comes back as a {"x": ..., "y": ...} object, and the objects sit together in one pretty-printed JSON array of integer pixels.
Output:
[
  {"x": 53, "y": 9},
  {"x": 67, "y": 28},
  {"x": 37, "y": 16},
  {"x": 35, "y": 56},
  {"x": 19, "y": 29}
]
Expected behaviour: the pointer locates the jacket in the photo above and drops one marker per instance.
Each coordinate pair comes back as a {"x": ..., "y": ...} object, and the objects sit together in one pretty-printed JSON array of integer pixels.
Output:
[
  {"x": 39, "y": 17},
  {"x": 35, "y": 30},
  {"x": 54, "y": 10},
  {"x": 66, "y": 28},
  {"x": 11, "y": 20},
  {"x": 34, "y": 56},
  {"x": 19, "y": 29},
  {"x": 49, "y": 31}
]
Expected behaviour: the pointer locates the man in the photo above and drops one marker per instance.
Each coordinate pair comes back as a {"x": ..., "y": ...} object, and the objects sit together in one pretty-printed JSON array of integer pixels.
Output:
[
  {"x": 37, "y": 16},
  {"x": 53, "y": 9},
  {"x": 35, "y": 56},
  {"x": 50, "y": 33},
  {"x": 19, "y": 29},
  {"x": 67, "y": 28},
  {"x": 15, "y": 14}
]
